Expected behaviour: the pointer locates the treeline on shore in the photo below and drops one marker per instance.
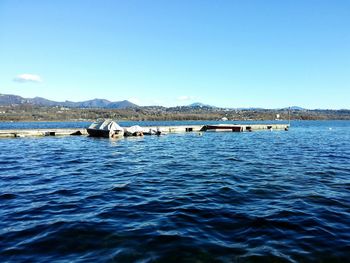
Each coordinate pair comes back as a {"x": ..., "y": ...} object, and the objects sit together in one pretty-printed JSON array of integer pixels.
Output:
[{"x": 37, "y": 113}]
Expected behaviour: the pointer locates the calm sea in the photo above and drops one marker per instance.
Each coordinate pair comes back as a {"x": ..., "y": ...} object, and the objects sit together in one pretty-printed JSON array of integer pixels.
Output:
[{"x": 217, "y": 197}]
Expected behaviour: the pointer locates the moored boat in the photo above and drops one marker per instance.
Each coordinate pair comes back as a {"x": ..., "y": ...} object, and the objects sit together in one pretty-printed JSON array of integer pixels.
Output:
[{"x": 107, "y": 129}]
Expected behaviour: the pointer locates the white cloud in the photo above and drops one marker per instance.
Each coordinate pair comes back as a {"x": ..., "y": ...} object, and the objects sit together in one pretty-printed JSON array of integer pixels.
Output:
[
  {"x": 184, "y": 98},
  {"x": 27, "y": 78}
]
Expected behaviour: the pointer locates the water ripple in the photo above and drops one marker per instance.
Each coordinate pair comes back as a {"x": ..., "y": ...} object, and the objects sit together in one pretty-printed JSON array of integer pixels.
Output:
[{"x": 219, "y": 197}]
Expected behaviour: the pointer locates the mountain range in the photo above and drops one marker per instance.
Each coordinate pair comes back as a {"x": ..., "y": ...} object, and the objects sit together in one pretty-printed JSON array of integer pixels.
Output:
[{"x": 8, "y": 100}]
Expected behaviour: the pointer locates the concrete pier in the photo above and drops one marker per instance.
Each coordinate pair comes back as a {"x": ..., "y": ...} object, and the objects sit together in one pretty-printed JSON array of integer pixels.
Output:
[
  {"x": 222, "y": 128},
  {"x": 162, "y": 129},
  {"x": 41, "y": 132}
]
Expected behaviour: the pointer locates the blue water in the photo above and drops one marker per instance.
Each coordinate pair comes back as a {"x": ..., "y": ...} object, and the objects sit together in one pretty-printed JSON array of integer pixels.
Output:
[{"x": 219, "y": 197}]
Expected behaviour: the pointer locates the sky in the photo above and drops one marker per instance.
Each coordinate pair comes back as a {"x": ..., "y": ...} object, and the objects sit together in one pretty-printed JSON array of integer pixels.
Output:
[{"x": 248, "y": 53}]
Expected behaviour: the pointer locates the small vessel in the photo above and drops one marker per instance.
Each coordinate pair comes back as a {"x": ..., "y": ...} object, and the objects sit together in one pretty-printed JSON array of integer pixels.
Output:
[
  {"x": 139, "y": 131},
  {"x": 135, "y": 130},
  {"x": 107, "y": 129},
  {"x": 151, "y": 131}
]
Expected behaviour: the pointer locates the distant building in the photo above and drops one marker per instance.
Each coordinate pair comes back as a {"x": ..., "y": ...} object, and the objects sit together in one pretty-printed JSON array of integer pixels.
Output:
[{"x": 224, "y": 119}]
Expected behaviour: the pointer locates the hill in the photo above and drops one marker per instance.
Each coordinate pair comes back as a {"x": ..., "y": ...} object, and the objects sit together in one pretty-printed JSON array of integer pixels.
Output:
[
  {"x": 199, "y": 104},
  {"x": 11, "y": 100}
]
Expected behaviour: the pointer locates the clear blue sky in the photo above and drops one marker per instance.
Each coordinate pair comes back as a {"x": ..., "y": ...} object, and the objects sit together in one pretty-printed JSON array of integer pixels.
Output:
[{"x": 230, "y": 53}]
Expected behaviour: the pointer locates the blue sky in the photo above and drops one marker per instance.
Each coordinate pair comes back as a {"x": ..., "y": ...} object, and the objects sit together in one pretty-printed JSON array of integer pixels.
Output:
[{"x": 231, "y": 53}]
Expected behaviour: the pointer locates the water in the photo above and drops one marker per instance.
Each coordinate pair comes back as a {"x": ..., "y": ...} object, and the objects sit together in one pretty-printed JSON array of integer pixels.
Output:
[{"x": 220, "y": 197}]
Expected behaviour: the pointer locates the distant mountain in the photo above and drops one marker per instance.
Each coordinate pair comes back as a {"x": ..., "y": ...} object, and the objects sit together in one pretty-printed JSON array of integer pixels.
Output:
[
  {"x": 8, "y": 100},
  {"x": 41, "y": 102},
  {"x": 297, "y": 108},
  {"x": 199, "y": 104},
  {"x": 11, "y": 99},
  {"x": 122, "y": 105},
  {"x": 95, "y": 103},
  {"x": 293, "y": 108}
]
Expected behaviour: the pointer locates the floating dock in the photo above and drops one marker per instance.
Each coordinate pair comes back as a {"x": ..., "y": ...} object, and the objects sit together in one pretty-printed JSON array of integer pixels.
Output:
[
  {"x": 41, "y": 132},
  {"x": 162, "y": 129}
]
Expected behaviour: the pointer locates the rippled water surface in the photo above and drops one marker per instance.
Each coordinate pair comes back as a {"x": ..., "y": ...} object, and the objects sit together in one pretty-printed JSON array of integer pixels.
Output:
[{"x": 217, "y": 197}]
